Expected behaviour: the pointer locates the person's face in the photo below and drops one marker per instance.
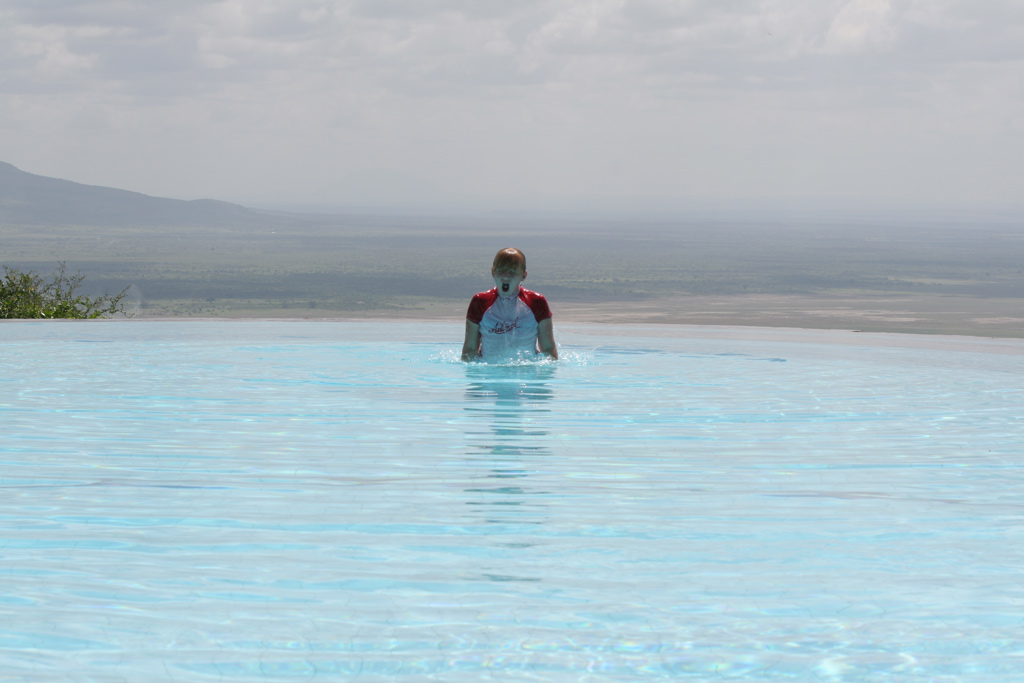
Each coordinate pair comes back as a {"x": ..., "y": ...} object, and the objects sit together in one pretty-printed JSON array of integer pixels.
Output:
[{"x": 507, "y": 280}]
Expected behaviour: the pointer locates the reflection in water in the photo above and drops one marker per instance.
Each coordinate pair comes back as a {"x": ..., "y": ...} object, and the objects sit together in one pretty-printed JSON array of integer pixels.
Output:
[{"x": 509, "y": 407}]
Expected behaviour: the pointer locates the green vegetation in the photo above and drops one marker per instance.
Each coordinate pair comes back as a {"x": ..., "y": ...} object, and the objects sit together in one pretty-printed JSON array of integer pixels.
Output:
[{"x": 28, "y": 295}]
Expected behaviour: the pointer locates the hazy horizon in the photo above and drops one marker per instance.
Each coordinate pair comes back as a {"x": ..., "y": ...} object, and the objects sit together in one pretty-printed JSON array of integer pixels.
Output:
[
  {"x": 792, "y": 210},
  {"x": 617, "y": 105}
]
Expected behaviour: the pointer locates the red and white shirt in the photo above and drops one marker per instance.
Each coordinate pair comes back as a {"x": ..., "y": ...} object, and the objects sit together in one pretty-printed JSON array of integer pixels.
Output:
[{"x": 508, "y": 325}]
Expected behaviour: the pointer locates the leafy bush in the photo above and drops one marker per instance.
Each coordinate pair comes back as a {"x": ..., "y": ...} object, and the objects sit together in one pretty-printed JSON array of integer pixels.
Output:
[{"x": 28, "y": 295}]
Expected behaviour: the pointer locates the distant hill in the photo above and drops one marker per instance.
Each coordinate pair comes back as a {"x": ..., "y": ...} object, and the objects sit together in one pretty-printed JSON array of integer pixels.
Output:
[{"x": 28, "y": 199}]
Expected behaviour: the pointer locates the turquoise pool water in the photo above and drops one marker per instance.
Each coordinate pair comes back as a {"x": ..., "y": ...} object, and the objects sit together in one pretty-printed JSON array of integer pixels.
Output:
[{"x": 242, "y": 501}]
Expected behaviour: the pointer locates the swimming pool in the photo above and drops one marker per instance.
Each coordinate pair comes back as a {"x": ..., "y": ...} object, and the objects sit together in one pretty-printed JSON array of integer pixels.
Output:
[{"x": 284, "y": 500}]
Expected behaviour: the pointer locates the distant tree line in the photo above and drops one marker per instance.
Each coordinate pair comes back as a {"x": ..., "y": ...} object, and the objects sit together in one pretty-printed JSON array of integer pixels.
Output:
[{"x": 25, "y": 294}]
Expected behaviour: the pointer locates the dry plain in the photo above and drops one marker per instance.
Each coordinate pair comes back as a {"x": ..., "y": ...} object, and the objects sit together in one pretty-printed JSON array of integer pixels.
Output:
[{"x": 923, "y": 277}]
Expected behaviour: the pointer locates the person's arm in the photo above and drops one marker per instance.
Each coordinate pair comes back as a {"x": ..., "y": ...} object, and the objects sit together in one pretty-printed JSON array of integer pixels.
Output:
[
  {"x": 546, "y": 338},
  {"x": 471, "y": 346}
]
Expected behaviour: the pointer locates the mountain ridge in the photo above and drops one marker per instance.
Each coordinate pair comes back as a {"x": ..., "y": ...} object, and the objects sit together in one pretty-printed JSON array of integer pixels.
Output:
[{"x": 30, "y": 199}]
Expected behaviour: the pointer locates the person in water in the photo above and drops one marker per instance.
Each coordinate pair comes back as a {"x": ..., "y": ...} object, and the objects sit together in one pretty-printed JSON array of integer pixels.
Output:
[{"x": 509, "y": 320}]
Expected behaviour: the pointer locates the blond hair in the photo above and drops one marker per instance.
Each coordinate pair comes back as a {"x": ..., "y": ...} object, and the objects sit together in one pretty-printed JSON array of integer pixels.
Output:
[{"x": 510, "y": 259}]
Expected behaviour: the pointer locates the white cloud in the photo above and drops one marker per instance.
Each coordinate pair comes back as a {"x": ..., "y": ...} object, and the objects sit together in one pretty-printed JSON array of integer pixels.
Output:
[
  {"x": 479, "y": 99},
  {"x": 48, "y": 46},
  {"x": 861, "y": 24}
]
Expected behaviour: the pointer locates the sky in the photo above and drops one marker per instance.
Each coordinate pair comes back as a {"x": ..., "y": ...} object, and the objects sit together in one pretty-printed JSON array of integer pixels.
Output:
[{"x": 521, "y": 104}]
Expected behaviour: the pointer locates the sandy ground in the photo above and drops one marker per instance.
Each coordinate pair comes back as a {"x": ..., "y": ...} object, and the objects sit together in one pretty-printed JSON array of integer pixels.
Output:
[
  {"x": 902, "y": 314},
  {"x": 880, "y": 313},
  {"x": 951, "y": 323}
]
